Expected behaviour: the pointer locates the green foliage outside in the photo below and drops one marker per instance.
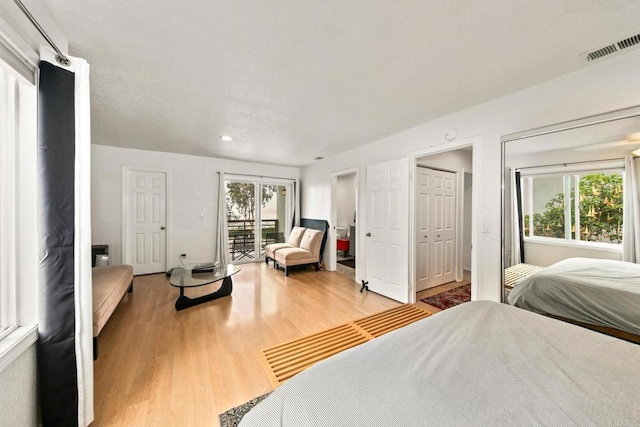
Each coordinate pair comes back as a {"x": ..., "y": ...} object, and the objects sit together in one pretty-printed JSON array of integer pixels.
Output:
[
  {"x": 600, "y": 211},
  {"x": 241, "y": 199}
]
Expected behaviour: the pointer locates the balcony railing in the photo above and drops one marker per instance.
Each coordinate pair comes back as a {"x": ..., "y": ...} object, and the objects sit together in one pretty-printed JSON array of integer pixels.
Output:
[{"x": 242, "y": 235}]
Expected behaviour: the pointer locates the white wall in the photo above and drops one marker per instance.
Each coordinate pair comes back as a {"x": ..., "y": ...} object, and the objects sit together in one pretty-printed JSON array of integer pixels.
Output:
[
  {"x": 545, "y": 254},
  {"x": 19, "y": 391},
  {"x": 605, "y": 86},
  {"x": 452, "y": 161},
  {"x": 192, "y": 190},
  {"x": 346, "y": 200}
]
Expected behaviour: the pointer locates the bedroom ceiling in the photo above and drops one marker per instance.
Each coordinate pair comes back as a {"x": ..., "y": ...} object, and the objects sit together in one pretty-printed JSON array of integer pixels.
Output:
[{"x": 292, "y": 80}]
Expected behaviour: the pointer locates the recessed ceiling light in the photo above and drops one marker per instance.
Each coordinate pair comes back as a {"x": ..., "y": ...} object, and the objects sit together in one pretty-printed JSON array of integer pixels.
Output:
[{"x": 226, "y": 138}]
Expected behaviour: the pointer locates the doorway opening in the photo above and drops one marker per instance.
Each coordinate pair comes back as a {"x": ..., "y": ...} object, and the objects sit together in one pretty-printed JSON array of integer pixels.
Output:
[
  {"x": 344, "y": 207},
  {"x": 258, "y": 214},
  {"x": 346, "y": 225},
  {"x": 442, "y": 227}
]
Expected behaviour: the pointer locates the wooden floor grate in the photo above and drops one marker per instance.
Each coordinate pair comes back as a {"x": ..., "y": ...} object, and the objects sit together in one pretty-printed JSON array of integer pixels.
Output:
[
  {"x": 517, "y": 272},
  {"x": 286, "y": 360}
]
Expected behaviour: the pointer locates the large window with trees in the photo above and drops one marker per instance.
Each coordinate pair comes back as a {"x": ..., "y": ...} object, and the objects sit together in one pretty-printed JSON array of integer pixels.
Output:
[{"x": 585, "y": 206}]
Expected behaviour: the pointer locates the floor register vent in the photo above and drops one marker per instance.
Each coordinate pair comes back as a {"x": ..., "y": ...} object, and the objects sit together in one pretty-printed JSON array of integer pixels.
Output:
[{"x": 627, "y": 43}]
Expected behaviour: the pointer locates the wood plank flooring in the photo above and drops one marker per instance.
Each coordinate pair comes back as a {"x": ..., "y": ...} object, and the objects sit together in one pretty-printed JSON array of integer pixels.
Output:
[{"x": 159, "y": 367}]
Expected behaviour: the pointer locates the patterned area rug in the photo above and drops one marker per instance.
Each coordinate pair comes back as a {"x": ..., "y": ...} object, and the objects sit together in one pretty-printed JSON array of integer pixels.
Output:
[
  {"x": 232, "y": 417},
  {"x": 450, "y": 298}
]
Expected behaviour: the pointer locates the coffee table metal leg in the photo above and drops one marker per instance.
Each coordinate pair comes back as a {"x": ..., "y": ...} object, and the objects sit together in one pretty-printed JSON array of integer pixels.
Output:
[{"x": 184, "y": 301}]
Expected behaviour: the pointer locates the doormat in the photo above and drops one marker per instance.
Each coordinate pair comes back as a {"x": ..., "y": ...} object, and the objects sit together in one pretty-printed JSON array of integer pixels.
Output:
[
  {"x": 351, "y": 262},
  {"x": 450, "y": 298},
  {"x": 232, "y": 417},
  {"x": 286, "y": 360}
]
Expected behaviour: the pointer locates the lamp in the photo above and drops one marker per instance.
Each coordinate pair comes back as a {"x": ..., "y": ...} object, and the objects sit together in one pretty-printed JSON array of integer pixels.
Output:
[{"x": 283, "y": 192}]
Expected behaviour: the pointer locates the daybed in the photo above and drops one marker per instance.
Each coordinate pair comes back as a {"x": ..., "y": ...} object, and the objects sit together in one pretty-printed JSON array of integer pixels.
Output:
[
  {"x": 602, "y": 293},
  {"x": 110, "y": 284},
  {"x": 481, "y": 363}
]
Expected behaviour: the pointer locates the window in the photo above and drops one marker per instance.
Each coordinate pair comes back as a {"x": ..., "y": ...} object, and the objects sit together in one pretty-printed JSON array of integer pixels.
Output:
[
  {"x": 584, "y": 206},
  {"x": 18, "y": 208}
]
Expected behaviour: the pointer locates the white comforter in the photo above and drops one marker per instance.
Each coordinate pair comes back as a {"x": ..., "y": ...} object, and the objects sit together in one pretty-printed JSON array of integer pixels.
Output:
[
  {"x": 481, "y": 363},
  {"x": 594, "y": 291}
]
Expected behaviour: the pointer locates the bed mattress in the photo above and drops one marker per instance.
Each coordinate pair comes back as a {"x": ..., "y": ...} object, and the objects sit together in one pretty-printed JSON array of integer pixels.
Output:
[
  {"x": 598, "y": 292},
  {"x": 480, "y": 363}
]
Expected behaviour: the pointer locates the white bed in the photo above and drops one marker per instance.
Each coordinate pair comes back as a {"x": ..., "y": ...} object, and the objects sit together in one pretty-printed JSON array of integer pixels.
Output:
[
  {"x": 592, "y": 291},
  {"x": 481, "y": 363}
]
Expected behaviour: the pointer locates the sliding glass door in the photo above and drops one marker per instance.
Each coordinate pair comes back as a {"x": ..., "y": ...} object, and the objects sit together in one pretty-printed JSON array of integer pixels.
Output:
[{"x": 258, "y": 213}]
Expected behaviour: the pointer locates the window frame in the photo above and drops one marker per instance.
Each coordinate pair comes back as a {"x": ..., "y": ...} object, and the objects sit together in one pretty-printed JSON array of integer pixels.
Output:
[
  {"x": 574, "y": 239},
  {"x": 18, "y": 205}
]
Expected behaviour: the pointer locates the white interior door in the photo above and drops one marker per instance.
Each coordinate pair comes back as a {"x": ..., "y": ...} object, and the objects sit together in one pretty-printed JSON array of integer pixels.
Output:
[
  {"x": 145, "y": 217},
  {"x": 387, "y": 231},
  {"x": 436, "y": 228}
]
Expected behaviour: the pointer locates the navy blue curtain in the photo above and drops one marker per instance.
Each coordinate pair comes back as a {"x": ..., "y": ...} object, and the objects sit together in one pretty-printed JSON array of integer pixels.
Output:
[
  {"x": 520, "y": 224},
  {"x": 57, "y": 368}
]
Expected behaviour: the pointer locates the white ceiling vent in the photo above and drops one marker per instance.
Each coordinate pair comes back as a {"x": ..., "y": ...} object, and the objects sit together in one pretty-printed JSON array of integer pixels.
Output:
[{"x": 618, "y": 46}]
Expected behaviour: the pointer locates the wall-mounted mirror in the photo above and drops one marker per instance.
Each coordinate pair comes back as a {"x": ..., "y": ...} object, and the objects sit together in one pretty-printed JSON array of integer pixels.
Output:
[{"x": 570, "y": 207}]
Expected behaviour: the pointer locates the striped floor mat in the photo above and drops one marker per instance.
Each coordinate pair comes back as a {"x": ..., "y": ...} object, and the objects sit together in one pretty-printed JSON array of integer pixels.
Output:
[
  {"x": 286, "y": 360},
  {"x": 517, "y": 272}
]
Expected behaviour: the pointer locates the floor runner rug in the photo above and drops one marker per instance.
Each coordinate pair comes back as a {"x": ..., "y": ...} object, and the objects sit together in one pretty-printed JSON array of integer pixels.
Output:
[
  {"x": 232, "y": 417},
  {"x": 450, "y": 298},
  {"x": 286, "y": 360}
]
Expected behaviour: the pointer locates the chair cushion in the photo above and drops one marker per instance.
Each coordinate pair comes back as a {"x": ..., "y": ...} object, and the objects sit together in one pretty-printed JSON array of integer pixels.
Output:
[
  {"x": 269, "y": 250},
  {"x": 311, "y": 241},
  {"x": 296, "y": 236},
  {"x": 295, "y": 256}
]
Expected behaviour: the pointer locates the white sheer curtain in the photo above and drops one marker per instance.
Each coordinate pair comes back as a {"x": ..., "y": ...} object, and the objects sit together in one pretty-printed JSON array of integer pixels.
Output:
[
  {"x": 296, "y": 210},
  {"x": 84, "y": 301},
  {"x": 631, "y": 214},
  {"x": 221, "y": 249},
  {"x": 515, "y": 221}
]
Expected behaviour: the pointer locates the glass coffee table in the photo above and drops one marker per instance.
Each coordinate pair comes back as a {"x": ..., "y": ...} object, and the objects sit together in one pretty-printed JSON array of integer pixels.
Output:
[{"x": 183, "y": 277}]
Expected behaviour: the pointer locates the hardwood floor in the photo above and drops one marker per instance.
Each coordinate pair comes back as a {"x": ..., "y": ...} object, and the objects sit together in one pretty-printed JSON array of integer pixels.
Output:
[{"x": 159, "y": 367}]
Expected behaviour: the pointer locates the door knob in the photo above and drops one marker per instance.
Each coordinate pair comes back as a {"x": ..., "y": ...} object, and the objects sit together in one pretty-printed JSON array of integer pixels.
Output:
[
  {"x": 162, "y": 228},
  {"x": 426, "y": 237},
  {"x": 368, "y": 234}
]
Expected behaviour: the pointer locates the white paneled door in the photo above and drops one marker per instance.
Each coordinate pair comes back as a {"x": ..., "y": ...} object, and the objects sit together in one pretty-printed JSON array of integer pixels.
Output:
[
  {"x": 436, "y": 227},
  {"x": 145, "y": 216},
  {"x": 387, "y": 229}
]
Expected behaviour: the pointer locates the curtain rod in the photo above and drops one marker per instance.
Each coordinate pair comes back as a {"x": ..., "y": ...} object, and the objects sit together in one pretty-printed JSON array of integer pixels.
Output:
[
  {"x": 257, "y": 176},
  {"x": 60, "y": 57},
  {"x": 570, "y": 163}
]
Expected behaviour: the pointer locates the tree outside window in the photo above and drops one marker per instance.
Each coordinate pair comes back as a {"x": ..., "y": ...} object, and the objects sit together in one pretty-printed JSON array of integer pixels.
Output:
[{"x": 600, "y": 208}]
